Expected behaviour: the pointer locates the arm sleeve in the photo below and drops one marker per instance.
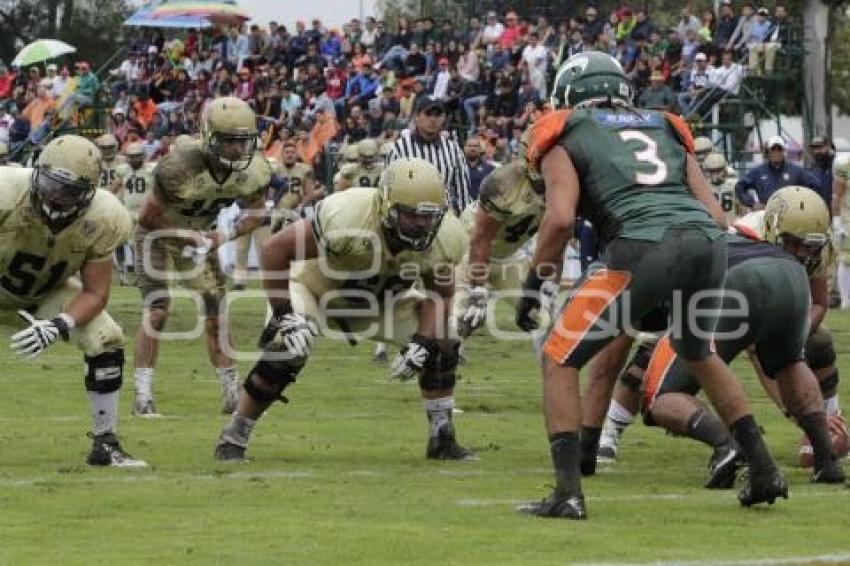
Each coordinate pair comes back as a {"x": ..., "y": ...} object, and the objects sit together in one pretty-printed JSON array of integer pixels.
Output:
[
  {"x": 461, "y": 180},
  {"x": 742, "y": 189}
]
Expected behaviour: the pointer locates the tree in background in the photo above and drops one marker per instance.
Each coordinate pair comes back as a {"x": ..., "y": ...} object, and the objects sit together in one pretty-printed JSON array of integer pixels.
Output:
[{"x": 92, "y": 26}]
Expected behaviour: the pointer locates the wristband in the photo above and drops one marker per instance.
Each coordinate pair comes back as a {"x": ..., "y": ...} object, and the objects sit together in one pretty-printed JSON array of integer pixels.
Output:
[{"x": 64, "y": 323}]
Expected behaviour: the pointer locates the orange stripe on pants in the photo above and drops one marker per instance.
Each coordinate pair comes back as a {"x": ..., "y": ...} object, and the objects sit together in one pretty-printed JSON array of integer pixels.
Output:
[
  {"x": 659, "y": 364},
  {"x": 590, "y": 300}
]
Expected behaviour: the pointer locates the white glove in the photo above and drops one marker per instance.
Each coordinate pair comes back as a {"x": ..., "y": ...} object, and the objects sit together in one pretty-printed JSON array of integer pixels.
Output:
[
  {"x": 32, "y": 341},
  {"x": 297, "y": 334},
  {"x": 198, "y": 253},
  {"x": 548, "y": 293},
  {"x": 475, "y": 313},
  {"x": 411, "y": 361}
]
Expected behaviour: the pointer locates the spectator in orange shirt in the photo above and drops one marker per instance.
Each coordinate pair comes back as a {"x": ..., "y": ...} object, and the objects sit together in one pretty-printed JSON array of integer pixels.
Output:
[
  {"x": 40, "y": 105},
  {"x": 145, "y": 110}
]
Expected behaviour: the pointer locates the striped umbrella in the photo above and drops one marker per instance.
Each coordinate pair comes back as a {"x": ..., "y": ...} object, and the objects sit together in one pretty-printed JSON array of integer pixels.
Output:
[
  {"x": 215, "y": 12},
  {"x": 42, "y": 50}
]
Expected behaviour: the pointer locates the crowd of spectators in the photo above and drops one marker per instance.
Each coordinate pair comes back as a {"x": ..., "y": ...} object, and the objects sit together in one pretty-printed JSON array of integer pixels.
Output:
[{"x": 314, "y": 84}]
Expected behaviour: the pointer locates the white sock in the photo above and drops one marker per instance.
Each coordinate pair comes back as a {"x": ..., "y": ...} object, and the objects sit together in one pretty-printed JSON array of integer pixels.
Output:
[
  {"x": 844, "y": 284},
  {"x": 380, "y": 348},
  {"x": 619, "y": 414},
  {"x": 831, "y": 404},
  {"x": 144, "y": 382},
  {"x": 439, "y": 413},
  {"x": 104, "y": 411},
  {"x": 226, "y": 376},
  {"x": 238, "y": 430}
]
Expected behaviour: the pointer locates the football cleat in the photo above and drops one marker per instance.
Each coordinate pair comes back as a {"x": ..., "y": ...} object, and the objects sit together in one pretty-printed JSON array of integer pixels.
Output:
[
  {"x": 381, "y": 357},
  {"x": 444, "y": 446},
  {"x": 107, "y": 451},
  {"x": 226, "y": 451},
  {"x": 722, "y": 467},
  {"x": 557, "y": 506},
  {"x": 831, "y": 472},
  {"x": 763, "y": 489},
  {"x": 144, "y": 407},
  {"x": 609, "y": 442}
]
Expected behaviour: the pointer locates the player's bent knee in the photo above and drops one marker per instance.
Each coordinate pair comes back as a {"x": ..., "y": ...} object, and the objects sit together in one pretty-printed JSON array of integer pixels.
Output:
[
  {"x": 267, "y": 380},
  {"x": 105, "y": 372},
  {"x": 157, "y": 317},
  {"x": 820, "y": 350},
  {"x": 443, "y": 373},
  {"x": 828, "y": 384}
]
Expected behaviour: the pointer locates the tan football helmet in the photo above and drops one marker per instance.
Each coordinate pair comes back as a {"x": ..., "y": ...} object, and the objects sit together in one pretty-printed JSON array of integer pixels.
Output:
[
  {"x": 367, "y": 153},
  {"x": 4, "y": 153},
  {"x": 797, "y": 219},
  {"x": 135, "y": 153},
  {"x": 702, "y": 147},
  {"x": 385, "y": 150},
  {"x": 351, "y": 154},
  {"x": 65, "y": 180},
  {"x": 229, "y": 133},
  {"x": 715, "y": 168},
  {"x": 108, "y": 146},
  {"x": 413, "y": 201}
]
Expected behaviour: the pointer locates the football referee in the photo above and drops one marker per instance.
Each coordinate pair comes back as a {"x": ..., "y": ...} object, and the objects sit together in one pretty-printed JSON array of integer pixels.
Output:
[{"x": 427, "y": 140}]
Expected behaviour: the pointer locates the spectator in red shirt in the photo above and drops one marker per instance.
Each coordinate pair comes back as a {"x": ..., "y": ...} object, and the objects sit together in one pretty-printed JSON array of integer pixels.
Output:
[
  {"x": 512, "y": 31},
  {"x": 7, "y": 81},
  {"x": 335, "y": 79}
]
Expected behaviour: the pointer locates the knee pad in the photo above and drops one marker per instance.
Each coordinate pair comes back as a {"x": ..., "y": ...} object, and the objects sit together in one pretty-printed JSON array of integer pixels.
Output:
[
  {"x": 279, "y": 373},
  {"x": 820, "y": 350},
  {"x": 828, "y": 384},
  {"x": 443, "y": 373},
  {"x": 105, "y": 372}
]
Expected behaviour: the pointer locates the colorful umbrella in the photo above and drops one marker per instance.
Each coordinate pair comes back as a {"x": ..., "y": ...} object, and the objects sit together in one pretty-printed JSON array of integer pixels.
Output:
[
  {"x": 144, "y": 19},
  {"x": 215, "y": 12},
  {"x": 42, "y": 50}
]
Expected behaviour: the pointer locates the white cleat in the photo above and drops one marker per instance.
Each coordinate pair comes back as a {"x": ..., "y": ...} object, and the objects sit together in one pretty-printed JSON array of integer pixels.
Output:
[
  {"x": 145, "y": 408},
  {"x": 609, "y": 442}
]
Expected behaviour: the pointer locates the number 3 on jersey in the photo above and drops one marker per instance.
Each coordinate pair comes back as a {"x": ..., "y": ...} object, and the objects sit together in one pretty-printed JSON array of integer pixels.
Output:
[{"x": 647, "y": 155}]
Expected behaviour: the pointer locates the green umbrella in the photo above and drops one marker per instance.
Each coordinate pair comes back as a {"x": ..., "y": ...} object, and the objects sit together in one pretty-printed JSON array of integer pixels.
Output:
[{"x": 42, "y": 50}]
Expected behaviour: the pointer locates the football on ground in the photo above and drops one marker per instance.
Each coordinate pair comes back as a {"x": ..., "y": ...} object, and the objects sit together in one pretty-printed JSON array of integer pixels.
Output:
[{"x": 339, "y": 474}]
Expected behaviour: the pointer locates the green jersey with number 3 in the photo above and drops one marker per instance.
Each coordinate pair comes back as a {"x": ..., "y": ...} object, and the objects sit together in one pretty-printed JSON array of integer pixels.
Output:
[
  {"x": 193, "y": 198},
  {"x": 633, "y": 173}
]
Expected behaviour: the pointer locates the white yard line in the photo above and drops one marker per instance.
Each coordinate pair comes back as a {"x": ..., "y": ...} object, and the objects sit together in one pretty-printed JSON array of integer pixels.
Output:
[{"x": 839, "y": 558}]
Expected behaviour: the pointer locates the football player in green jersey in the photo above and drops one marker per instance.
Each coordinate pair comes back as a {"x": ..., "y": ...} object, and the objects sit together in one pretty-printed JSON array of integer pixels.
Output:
[
  {"x": 632, "y": 173},
  {"x": 177, "y": 227},
  {"x": 57, "y": 236},
  {"x": 350, "y": 272}
]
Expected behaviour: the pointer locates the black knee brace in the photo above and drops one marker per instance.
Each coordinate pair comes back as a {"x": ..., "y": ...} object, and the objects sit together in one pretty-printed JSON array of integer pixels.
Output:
[
  {"x": 279, "y": 373},
  {"x": 442, "y": 373},
  {"x": 820, "y": 351},
  {"x": 105, "y": 373}
]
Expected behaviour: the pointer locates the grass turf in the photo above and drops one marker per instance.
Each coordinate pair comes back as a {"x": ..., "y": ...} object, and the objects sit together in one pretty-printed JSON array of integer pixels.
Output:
[{"x": 338, "y": 475}]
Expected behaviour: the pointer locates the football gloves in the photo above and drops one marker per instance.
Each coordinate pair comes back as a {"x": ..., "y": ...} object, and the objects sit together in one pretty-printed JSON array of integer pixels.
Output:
[
  {"x": 538, "y": 296},
  {"x": 40, "y": 334},
  {"x": 291, "y": 332},
  {"x": 418, "y": 354},
  {"x": 475, "y": 313}
]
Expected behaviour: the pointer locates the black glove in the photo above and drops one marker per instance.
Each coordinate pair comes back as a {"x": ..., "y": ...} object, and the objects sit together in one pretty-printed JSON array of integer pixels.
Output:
[{"x": 529, "y": 302}]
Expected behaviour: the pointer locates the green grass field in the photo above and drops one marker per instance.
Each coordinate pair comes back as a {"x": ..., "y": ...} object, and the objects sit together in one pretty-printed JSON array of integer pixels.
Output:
[{"x": 339, "y": 476}]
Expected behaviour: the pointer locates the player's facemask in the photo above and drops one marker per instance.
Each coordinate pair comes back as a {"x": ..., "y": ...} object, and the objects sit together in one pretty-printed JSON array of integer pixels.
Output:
[
  {"x": 717, "y": 176},
  {"x": 368, "y": 162},
  {"x": 108, "y": 152},
  {"x": 807, "y": 250},
  {"x": 414, "y": 228},
  {"x": 59, "y": 196},
  {"x": 136, "y": 162},
  {"x": 233, "y": 151}
]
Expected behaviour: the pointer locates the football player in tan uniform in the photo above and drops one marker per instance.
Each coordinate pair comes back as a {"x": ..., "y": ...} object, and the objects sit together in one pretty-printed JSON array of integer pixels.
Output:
[
  {"x": 108, "y": 146},
  {"x": 57, "y": 235},
  {"x": 291, "y": 187},
  {"x": 702, "y": 147},
  {"x": 136, "y": 180},
  {"x": 500, "y": 223},
  {"x": 353, "y": 269},
  {"x": 368, "y": 170},
  {"x": 723, "y": 188},
  {"x": 192, "y": 184}
]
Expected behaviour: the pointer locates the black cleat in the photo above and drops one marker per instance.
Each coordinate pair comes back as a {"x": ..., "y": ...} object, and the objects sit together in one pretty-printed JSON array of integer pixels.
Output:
[
  {"x": 763, "y": 489},
  {"x": 107, "y": 451},
  {"x": 226, "y": 451},
  {"x": 444, "y": 446},
  {"x": 722, "y": 467},
  {"x": 557, "y": 506},
  {"x": 831, "y": 472}
]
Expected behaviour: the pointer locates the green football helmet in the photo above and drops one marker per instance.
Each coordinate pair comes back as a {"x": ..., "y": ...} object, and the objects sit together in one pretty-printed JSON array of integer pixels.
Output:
[
  {"x": 591, "y": 78},
  {"x": 413, "y": 203}
]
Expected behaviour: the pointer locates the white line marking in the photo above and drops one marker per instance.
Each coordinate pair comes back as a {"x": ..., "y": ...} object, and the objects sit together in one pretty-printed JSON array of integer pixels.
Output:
[{"x": 842, "y": 558}]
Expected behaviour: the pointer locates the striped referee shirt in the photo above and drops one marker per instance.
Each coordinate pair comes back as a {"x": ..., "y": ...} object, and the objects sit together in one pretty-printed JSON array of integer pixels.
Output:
[{"x": 446, "y": 155}]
